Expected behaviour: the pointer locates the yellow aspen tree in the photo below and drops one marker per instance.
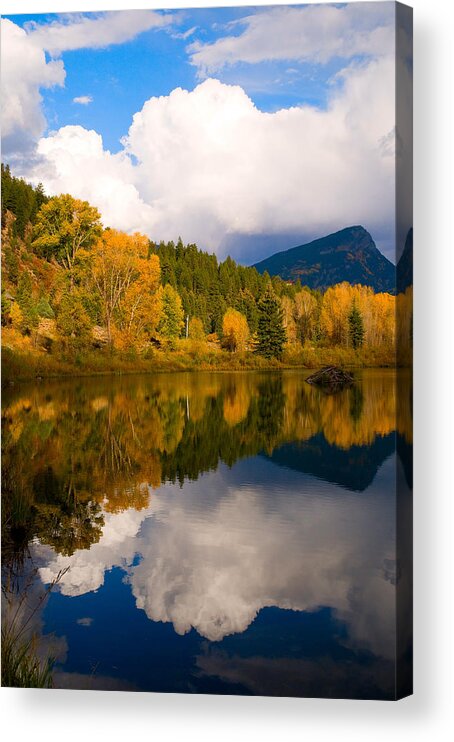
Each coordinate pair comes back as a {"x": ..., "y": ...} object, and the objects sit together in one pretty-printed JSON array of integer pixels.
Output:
[
  {"x": 305, "y": 311},
  {"x": 288, "y": 312},
  {"x": 336, "y": 306},
  {"x": 127, "y": 282},
  {"x": 235, "y": 330}
]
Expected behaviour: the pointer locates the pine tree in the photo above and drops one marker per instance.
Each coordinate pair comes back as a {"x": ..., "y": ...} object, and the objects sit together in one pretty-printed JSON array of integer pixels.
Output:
[
  {"x": 247, "y": 305},
  {"x": 6, "y": 308},
  {"x": 40, "y": 196},
  {"x": 26, "y": 303},
  {"x": 21, "y": 199},
  {"x": 355, "y": 327},
  {"x": 270, "y": 331},
  {"x": 44, "y": 309},
  {"x": 11, "y": 262},
  {"x": 171, "y": 323}
]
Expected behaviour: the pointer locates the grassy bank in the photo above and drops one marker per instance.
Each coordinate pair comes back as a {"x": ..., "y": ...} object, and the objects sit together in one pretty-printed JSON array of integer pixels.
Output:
[{"x": 18, "y": 364}]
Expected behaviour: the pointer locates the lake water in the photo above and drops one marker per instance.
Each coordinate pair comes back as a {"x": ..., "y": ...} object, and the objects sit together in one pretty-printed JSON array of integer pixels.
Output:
[{"x": 221, "y": 533}]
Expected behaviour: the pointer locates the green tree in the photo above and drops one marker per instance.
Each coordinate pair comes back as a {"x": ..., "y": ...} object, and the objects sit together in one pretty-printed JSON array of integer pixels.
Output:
[
  {"x": 26, "y": 303},
  {"x": 206, "y": 287},
  {"x": 172, "y": 317},
  {"x": 65, "y": 225},
  {"x": 11, "y": 261},
  {"x": 73, "y": 322},
  {"x": 356, "y": 403},
  {"x": 40, "y": 196},
  {"x": 196, "y": 330},
  {"x": 21, "y": 200},
  {"x": 247, "y": 305},
  {"x": 271, "y": 335},
  {"x": 44, "y": 309},
  {"x": 6, "y": 307},
  {"x": 355, "y": 327},
  {"x": 65, "y": 519}
]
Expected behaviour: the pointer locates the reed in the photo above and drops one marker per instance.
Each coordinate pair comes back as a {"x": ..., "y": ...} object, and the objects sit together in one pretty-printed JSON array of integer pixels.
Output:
[{"x": 22, "y": 666}]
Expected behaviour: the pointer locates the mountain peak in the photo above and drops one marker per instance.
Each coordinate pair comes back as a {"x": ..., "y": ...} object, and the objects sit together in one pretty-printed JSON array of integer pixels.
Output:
[
  {"x": 354, "y": 229},
  {"x": 347, "y": 255}
]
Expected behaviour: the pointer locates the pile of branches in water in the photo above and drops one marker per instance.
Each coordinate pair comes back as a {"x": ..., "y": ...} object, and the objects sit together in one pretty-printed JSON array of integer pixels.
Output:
[{"x": 332, "y": 378}]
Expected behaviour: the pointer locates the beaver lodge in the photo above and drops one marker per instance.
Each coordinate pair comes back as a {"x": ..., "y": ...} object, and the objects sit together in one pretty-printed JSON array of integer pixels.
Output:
[{"x": 331, "y": 378}]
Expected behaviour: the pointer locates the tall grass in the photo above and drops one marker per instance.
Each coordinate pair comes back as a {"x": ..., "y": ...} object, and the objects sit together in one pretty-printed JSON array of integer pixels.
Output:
[{"x": 22, "y": 666}]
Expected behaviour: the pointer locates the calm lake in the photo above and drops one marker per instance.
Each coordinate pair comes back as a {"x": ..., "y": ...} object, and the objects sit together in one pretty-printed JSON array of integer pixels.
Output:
[{"x": 224, "y": 532}]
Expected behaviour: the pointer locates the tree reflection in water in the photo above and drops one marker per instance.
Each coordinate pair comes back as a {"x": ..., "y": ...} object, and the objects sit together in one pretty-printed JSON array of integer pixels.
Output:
[{"x": 81, "y": 461}]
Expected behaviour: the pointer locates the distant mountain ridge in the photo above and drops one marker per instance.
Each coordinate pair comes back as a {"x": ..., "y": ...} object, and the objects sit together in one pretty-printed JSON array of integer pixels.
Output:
[{"x": 348, "y": 255}]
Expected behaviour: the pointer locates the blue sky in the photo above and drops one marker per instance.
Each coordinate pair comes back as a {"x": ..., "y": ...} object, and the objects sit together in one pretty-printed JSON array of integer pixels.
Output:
[
  {"x": 302, "y": 146},
  {"x": 120, "y": 78}
]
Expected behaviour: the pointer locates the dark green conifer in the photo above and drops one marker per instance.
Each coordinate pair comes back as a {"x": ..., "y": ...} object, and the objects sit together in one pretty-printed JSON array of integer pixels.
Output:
[
  {"x": 27, "y": 304},
  {"x": 355, "y": 327},
  {"x": 271, "y": 334}
]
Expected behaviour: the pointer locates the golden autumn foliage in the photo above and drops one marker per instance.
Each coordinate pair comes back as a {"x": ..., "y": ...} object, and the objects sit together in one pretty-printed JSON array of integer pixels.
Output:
[
  {"x": 15, "y": 315},
  {"x": 64, "y": 226},
  {"x": 196, "y": 331},
  {"x": 103, "y": 290},
  {"x": 111, "y": 303},
  {"x": 235, "y": 330},
  {"x": 290, "y": 324},
  {"x": 377, "y": 312},
  {"x": 336, "y": 307},
  {"x": 305, "y": 315},
  {"x": 236, "y": 404},
  {"x": 128, "y": 283}
]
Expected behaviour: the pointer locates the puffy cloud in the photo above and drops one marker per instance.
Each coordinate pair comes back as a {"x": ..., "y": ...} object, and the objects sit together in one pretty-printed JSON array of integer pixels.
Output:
[
  {"x": 314, "y": 33},
  {"x": 73, "y": 160},
  {"x": 213, "y": 567},
  {"x": 212, "y": 562},
  {"x": 83, "y": 100},
  {"x": 24, "y": 71},
  {"x": 208, "y": 163},
  {"x": 116, "y": 547}
]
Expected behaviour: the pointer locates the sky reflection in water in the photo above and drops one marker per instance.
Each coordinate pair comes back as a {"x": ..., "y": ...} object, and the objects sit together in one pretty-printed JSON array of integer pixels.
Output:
[{"x": 229, "y": 533}]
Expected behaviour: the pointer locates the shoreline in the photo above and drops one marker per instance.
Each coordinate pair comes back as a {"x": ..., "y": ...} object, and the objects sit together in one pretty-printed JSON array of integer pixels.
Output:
[{"x": 22, "y": 367}]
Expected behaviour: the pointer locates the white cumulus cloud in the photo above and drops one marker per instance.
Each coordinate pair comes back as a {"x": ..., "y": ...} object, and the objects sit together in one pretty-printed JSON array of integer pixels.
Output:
[
  {"x": 212, "y": 563},
  {"x": 312, "y": 33},
  {"x": 116, "y": 547},
  {"x": 207, "y": 163},
  {"x": 73, "y": 160},
  {"x": 94, "y": 31},
  {"x": 24, "y": 71}
]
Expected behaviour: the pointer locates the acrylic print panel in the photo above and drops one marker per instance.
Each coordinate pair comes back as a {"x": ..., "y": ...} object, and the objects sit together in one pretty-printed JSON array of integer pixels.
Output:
[{"x": 201, "y": 210}]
